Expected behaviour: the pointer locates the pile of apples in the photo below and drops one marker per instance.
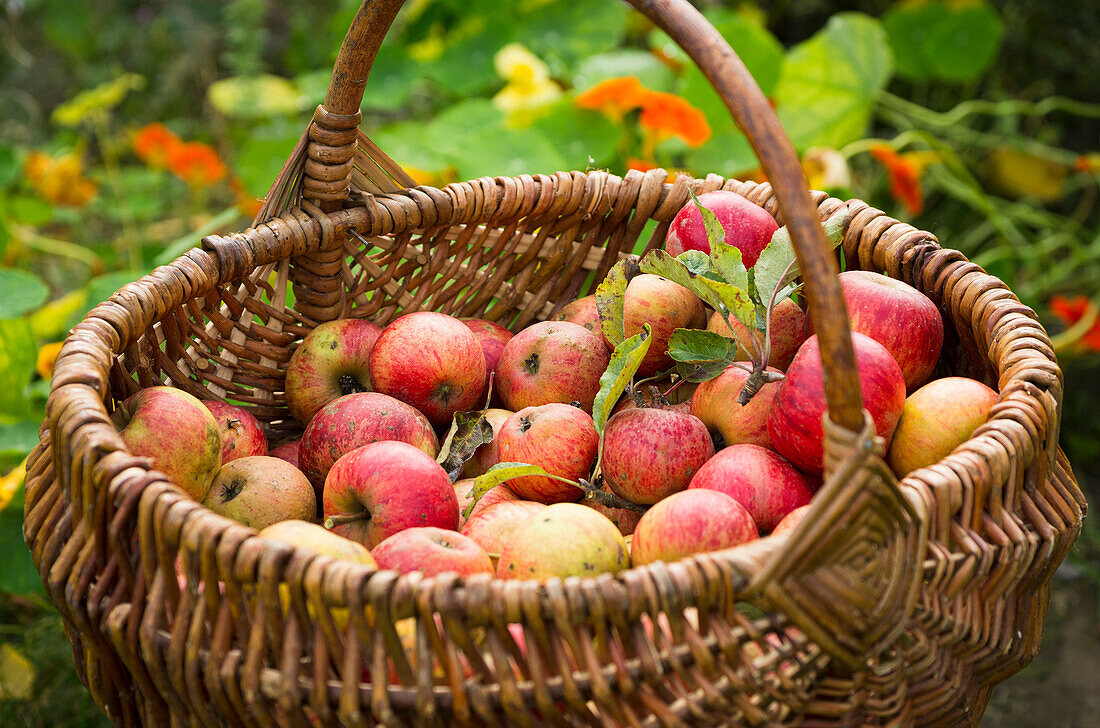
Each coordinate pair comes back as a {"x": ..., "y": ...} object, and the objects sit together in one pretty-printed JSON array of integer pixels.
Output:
[{"x": 446, "y": 445}]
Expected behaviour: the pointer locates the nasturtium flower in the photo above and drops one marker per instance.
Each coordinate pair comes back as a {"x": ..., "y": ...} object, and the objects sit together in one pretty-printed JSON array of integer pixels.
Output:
[
  {"x": 197, "y": 164},
  {"x": 96, "y": 101},
  {"x": 614, "y": 97},
  {"x": 528, "y": 86},
  {"x": 247, "y": 203},
  {"x": 152, "y": 144},
  {"x": 667, "y": 115},
  {"x": 60, "y": 179},
  {"x": 641, "y": 165},
  {"x": 826, "y": 169},
  {"x": 47, "y": 355},
  {"x": 1072, "y": 310},
  {"x": 904, "y": 172}
]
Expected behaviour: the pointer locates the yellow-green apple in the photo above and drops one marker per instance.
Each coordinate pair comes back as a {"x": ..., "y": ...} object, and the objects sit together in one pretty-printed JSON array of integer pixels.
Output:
[
  {"x": 490, "y": 527},
  {"x": 715, "y": 403},
  {"x": 899, "y": 317},
  {"x": 788, "y": 331},
  {"x": 795, "y": 420},
  {"x": 552, "y": 361},
  {"x": 492, "y": 337},
  {"x": 690, "y": 522},
  {"x": 240, "y": 431},
  {"x": 936, "y": 419},
  {"x": 649, "y": 454},
  {"x": 560, "y": 439},
  {"x": 431, "y": 551},
  {"x": 355, "y": 420},
  {"x": 625, "y": 519},
  {"x": 563, "y": 539},
  {"x": 665, "y": 306},
  {"x": 379, "y": 489},
  {"x": 332, "y": 361},
  {"x": 464, "y": 491},
  {"x": 287, "y": 451},
  {"x": 791, "y": 520},
  {"x": 260, "y": 490},
  {"x": 431, "y": 361},
  {"x": 582, "y": 312},
  {"x": 319, "y": 540},
  {"x": 485, "y": 456},
  {"x": 177, "y": 432},
  {"x": 764, "y": 482},
  {"x": 748, "y": 227}
]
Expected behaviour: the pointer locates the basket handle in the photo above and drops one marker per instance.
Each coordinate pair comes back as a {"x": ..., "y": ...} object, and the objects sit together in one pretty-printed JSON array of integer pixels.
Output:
[{"x": 685, "y": 25}]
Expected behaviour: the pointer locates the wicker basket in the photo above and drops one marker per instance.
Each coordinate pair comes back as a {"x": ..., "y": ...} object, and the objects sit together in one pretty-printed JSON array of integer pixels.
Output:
[{"x": 898, "y": 604}]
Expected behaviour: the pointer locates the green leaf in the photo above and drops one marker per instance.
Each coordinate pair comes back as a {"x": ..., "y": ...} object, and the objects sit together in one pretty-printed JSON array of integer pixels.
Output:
[
  {"x": 21, "y": 291},
  {"x": 503, "y": 472},
  {"x": 583, "y": 138},
  {"x": 701, "y": 371},
  {"x": 256, "y": 97},
  {"x": 625, "y": 361},
  {"x": 563, "y": 33},
  {"x": 645, "y": 67},
  {"x": 726, "y": 261},
  {"x": 727, "y": 152},
  {"x": 696, "y": 261},
  {"x": 17, "y": 439},
  {"x": 17, "y": 359},
  {"x": 828, "y": 84},
  {"x": 718, "y": 294},
  {"x": 28, "y": 210},
  {"x": 779, "y": 254},
  {"x": 9, "y": 166},
  {"x": 17, "y": 572},
  {"x": 716, "y": 234},
  {"x": 610, "y": 299},
  {"x": 261, "y": 154},
  {"x": 469, "y": 431},
  {"x": 697, "y": 346},
  {"x": 953, "y": 42}
]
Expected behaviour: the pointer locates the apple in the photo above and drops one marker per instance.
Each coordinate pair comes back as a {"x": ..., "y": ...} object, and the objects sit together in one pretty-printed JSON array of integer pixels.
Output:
[
  {"x": 287, "y": 451},
  {"x": 552, "y": 361},
  {"x": 379, "y": 489},
  {"x": 795, "y": 420},
  {"x": 563, "y": 539},
  {"x": 431, "y": 551},
  {"x": 559, "y": 438},
  {"x": 486, "y": 455},
  {"x": 492, "y": 337},
  {"x": 583, "y": 312},
  {"x": 240, "y": 431},
  {"x": 260, "y": 490},
  {"x": 676, "y": 399},
  {"x": 764, "y": 482},
  {"x": 497, "y": 494},
  {"x": 715, "y": 404},
  {"x": 490, "y": 527},
  {"x": 899, "y": 317},
  {"x": 174, "y": 430},
  {"x": 690, "y": 522},
  {"x": 431, "y": 361},
  {"x": 332, "y": 361},
  {"x": 936, "y": 419},
  {"x": 649, "y": 454},
  {"x": 791, "y": 520},
  {"x": 748, "y": 227},
  {"x": 788, "y": 327},
  {"x": 355, "y": 420},
  {"x": 319, "y": 540},
  {"x": 665, "y": 306},
  {"x": 625, "y": 519}
]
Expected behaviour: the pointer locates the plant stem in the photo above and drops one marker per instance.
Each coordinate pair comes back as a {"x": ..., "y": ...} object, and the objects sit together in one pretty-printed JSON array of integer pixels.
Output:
[
  {"x": 332, "y": 522},
  {"x": 609, "y": 500},
  {"x": 34, "y": 240}
]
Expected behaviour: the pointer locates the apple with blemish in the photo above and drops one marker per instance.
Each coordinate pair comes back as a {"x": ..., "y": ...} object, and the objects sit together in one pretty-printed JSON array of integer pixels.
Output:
[
  {"x": 552, "y": 361},
  {"x": 562, "y": 540},
  {"x": 486, "y": 456},
  {"x": 583, "y": 311},
  {"x": 490, "y": 527},
  {"x": 715, "y": 402},
  {"x": 431, "y": 551},
  {"x": 177, "y": 432},
  {"x": 559, "y": 438},
  {"x": 665, "y": 306},
  {"x": 333, "y": 360},
  {"x": 240, "y": 431},
  {"x": 260, "y": 490},
  {"x": 651, "y": 453},
  {"x": 497, "y": 494},
  {"x": 431, "y": 361},
  {"x": 788, "y": 331},
  {"x": 746, "y": 226},
  {"x": 690, "y": 522}
]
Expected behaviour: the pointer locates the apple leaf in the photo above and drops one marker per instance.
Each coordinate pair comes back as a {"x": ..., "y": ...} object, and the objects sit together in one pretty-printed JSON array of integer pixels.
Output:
[
  {"x": 719, "y": 294},
  {"x": 726, "y": 261},
  {"x": 716, "y": 235},
  {"x": 611, "y": 298},
  {"x": 696, "y": 346},
  {"x": 698, "y": 372},
  {"x": 625, "y": 361},
  {"x": 503, "y": 472},
  {"x": 777, "y": 267},
  {"x": 469, "y": 431},
  {"x": 696, "y": 261}
]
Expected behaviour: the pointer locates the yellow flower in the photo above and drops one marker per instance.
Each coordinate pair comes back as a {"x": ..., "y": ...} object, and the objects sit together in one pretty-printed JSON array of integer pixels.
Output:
[
  {"x": 826, "y": 169},
  {"x": 11, "y": 482},
  {"x": 46, "y": 357},
  {"x": 516, "y": 64},
  {"x": 59, "y": 179},
  {"x": 529, "y": 87},
  {"x": 96, "y": 100}
]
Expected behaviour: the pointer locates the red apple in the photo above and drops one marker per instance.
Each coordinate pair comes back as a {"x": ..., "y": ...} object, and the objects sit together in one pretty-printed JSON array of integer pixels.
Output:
[
  {"x": 746, "y": 226},
  {"x": 624, "y": 518},
  {"x": 356, "y": 420},
  {"x": 431, "y": 361},
  {"x": 715, "y": 403},
  {"x": 492, "y": 337},
  {"x": 239, "y": 430},
  {"x": 490, "y": 527},
  {"x": 788, "y": 327},
  {"x": 564, "y": 539},
  {"x": 177, "y": 432},
  {"x": 649, "y": 454},
  {"x": 260, "y": 490},
  {"x": 332, "y": 361},
  {"x": 497, "y": 494},
  {"x": 287, "y": 451},
  {"x": 552, "y": 361},
  {"x": 791, "y": 520},
  {"x": 583, "y": 312},
  {"x": 690, "y": 522},
  {"x": 665, "y": 306},
  {"x": 486, "y": 455},
  {"x": 899, "y": 317},
  {"x": 387, "y": 487},
  {"x": 936, "y": 419},
  {"x": 558, "y": 438},
  {"x": 431, "y": 551},
  {"x": 766, "y": 484},
  {"x": 795, "y": 420}
]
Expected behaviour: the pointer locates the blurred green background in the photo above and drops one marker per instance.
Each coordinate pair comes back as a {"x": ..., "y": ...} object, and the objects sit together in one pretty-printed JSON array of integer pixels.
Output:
[{"x": 130, "y": 129}]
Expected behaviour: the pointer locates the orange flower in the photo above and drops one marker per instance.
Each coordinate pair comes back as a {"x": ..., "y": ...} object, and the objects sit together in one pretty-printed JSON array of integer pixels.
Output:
[
  {"x": 1072, "y": 310},
  {"x": 1088, "y": 163},
  {"x": 46, "y": 357},
  {"x": 248, "y": 204},
  {"x": 60, "y": 179},
  {"x": 153, "y": 143},
  {"x": 642, "y": 165},
  {"x": 669, "y": 115},
  {"x": 196, "y": 163},
  {"x": 904, "y": 175},
  {"x": 614, "y": 97}
]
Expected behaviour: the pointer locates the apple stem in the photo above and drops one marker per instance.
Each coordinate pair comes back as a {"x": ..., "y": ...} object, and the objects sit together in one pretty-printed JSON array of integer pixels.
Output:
[
  {"x": 609, "y": 500},
  {"x": 332, "y": 522}
]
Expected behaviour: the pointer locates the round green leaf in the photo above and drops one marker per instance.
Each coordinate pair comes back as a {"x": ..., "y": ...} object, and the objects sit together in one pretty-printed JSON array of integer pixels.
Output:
[
  {"x": 250, "y": 97},
  {"x": 935, "y": 40},
  {"x": 628, "y": 62},
  {"x": 21, "y": 292}
]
